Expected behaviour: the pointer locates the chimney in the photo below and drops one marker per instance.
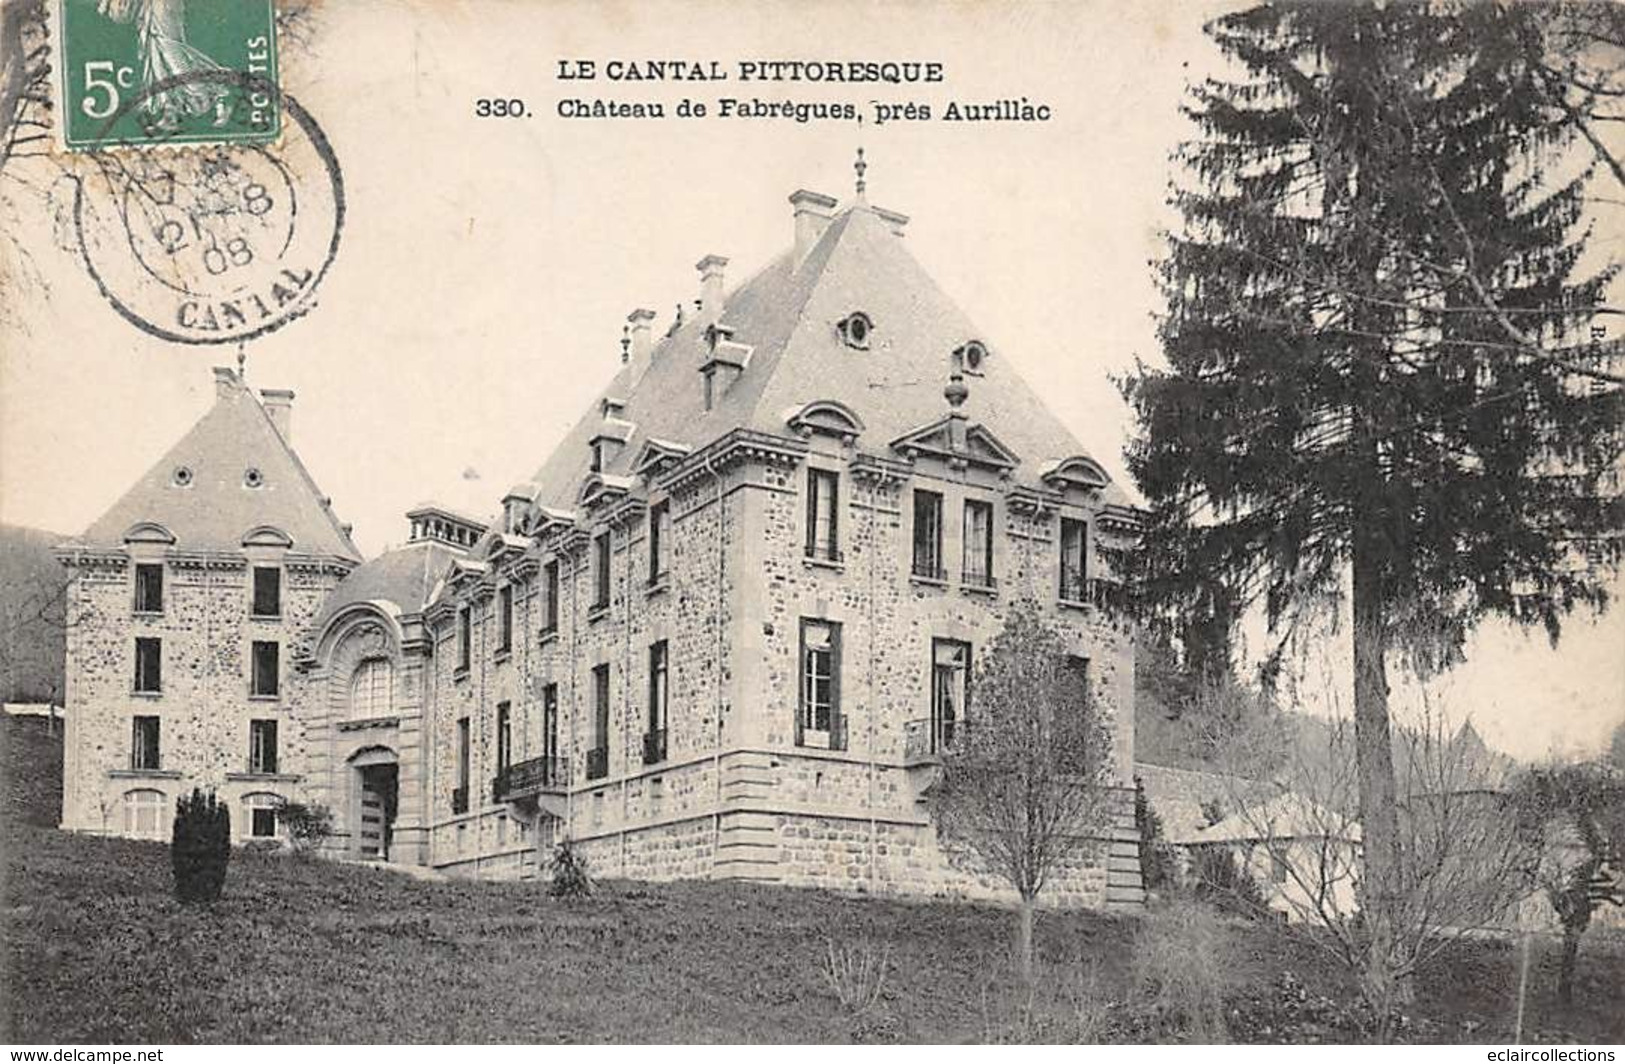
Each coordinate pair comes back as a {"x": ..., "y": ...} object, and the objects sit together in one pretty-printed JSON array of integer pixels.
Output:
[
  {"x": 278, "y": 403},
  {"x": 641, "y": 322},
  {"x": 225, "y": 382},
  {"x": 813, "y": 215},
  {"x": 711, "y": 275}
]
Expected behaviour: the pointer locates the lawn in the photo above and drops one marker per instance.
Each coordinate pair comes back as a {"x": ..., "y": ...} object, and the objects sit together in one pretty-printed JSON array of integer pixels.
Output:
[{"x": 97, "y": 950}]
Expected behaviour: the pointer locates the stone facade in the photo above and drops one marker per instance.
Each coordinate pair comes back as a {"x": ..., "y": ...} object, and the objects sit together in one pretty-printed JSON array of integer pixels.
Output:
[{"x": 699, "y": 643}]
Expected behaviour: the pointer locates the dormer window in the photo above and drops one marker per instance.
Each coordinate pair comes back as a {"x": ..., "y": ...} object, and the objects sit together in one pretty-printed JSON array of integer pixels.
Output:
[
  {"x": 972, "y": 356},
  {"x": 855, "y": 330}
]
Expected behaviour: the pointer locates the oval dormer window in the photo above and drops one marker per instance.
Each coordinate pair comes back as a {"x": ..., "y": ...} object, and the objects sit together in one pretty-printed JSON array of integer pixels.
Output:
[
  {"x": 252, "y": 477},
  {"x": 182, "y": 477},
  {"x": 855, "y": 330},
  {"x": 973, "y": 356}
]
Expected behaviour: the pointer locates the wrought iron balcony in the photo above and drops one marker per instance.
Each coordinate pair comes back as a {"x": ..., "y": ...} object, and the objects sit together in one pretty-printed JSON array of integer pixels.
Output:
[
  {"x": 527, "y": 779},
  {"x": 924, "y": 740},
  {"x": 598, "y": 762},
  {"x": 459, "y": 801},
  {"x": 654, "y": 746},
  {"x": 984, "y": 581}
]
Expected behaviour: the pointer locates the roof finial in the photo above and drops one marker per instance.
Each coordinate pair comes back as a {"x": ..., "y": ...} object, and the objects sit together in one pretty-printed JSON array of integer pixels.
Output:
[
  {"x": 626, "y": 343},
  {"x": 860, "y": 166},
  {"x": 242, "y": 362},
  {"x": 956, "y": 392}
]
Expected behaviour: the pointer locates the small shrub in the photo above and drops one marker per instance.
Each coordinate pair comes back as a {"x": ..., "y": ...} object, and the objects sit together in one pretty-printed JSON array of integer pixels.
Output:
[
  {"x": 307, "y": 826},
  {"x": 1181, "y": 972},
  {"x": 200, "y": 847},
  {"x": 568, "y": 873},
  {"x": 1156, "y": 856},
  {"x": 1223, "y": 883},
  {"x": 856, "y": 972}
]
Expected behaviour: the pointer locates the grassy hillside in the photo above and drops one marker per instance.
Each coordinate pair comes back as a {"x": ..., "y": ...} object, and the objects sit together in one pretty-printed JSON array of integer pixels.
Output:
[
  {"x": 97, "y": 950},
  {"x": 31, "y": 616}
]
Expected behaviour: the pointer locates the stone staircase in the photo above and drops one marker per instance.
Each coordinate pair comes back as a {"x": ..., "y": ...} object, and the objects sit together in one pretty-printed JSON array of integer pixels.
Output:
[{"x": 1124, "y": 888}]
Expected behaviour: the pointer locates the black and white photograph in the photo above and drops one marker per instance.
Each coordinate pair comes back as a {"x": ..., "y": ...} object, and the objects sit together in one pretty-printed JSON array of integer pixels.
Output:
[{"x": 928, "y": 522}]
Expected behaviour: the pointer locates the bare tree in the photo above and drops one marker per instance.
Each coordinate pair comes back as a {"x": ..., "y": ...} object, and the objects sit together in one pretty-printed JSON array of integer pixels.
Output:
[{"x": 1026, "y": 776}]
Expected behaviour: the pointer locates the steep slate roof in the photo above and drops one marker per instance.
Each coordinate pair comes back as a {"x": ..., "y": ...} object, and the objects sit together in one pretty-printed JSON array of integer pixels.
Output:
[
  {"x": 787, "y": 315},
  {"x": 403, "y": 577},
  {"x": 217, "y": 509},
  {"x": 1286, "y": 816}
]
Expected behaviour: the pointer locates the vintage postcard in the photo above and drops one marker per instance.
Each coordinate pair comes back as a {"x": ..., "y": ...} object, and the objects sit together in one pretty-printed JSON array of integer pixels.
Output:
[{"x": 812, "y": 522}]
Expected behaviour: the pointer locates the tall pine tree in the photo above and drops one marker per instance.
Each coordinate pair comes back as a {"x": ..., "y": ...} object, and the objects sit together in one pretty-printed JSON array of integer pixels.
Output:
[{"x": 1376, "y": 376}]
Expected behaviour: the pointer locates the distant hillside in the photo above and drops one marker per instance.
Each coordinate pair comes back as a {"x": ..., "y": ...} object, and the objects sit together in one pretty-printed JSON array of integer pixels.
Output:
[{"x": 32, "y": 616}]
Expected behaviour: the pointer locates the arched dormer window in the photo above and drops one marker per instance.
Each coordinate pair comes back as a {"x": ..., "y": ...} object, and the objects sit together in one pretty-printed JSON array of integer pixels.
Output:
[{"x": 372, "y": 689}]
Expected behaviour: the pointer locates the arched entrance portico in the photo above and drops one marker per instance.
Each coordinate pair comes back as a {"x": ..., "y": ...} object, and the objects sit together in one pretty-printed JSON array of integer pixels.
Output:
[{"x": 375, "y": 800}]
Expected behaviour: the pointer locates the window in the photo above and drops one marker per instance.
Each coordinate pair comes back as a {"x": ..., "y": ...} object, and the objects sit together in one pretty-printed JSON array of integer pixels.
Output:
[
  {"x": 504, "y": 736},
  {"x": 149, "y": 588},
  {"x": 1278, "y": 865},
  {"x": 659, "y": 527},
  {"x": 504, "y": 618},
  {"x": 459, "y": 796},
  {"x": 928, "y": 535},
  {"x": 654, "y": 740},
  {"x": 823, "y": 524},
  {"x": 144, "y": 747},
  {"x": 267, "y": 591},
  {"x": 855, "y": 329},
  {"x": 972, "y": 356},
  {"x": 600, "y": 572},
  {"x": 978, "y": 543},
  {"x": 550, "y": 597},
  {"x": 818, "y": 717},
  {"x": 550, "y": 721},
  {"x": 262, "y": 746},
  {"x": 267, "y": 672},
  {"x": 144, "y": 814},
  {"x": 149, "y": 656},
  {"x": 598, "y": 756},
  {"x": 465, "y": 638},
  {"x": 950, "y": 689},
  {"x": 1074, "y": 559},
  {"x": 260, "y": 814},
  {"x": 372, "y": 689},
  {"x": 1078, "y": 701}
]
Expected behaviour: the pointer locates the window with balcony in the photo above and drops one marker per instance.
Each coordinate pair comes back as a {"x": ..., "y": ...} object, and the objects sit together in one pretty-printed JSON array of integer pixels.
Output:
[
  {"x": 266, "y": 679},
  {"x": 504, "y": 736},
  {"x": 818, "y": 716},
  {"x": 659, "y": 533},
  {"x": 459, "y": 794},
  {"x": 654, "y": 740},
  {"x": 149, "y": 664},
  {"x": 600, "y": 571},
  {"x": 1074, "y": 560},
  {"x": 950, "y": 690},
  {"x": 504, "y": 618},
  {"x": 149, "y": 588},
  {"x": 928, "y": 535},
  {"x": 465, "y": 638},
  {"x": 550, "y": 721},
  {"x": 598, "y": 754},
  {"x": 823, "y": 521},
  {"x": 977, "y": 550},
  {"x": 145, "y": 754},
  {"x": 144, "y": 811},
  {"x": 262, "y": 747},
  {"x": 550, "y": 597},
  {"x": 267, "y": 591}
]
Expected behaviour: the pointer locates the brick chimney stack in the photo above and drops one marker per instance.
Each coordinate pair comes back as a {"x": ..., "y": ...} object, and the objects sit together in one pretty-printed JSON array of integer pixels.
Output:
[
  {"x": 813, "y": 213},
  {"x": 711, "y": 277}
]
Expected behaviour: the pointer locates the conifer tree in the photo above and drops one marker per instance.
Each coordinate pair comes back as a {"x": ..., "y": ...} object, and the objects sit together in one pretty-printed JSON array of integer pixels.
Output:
[{"x": 1378, "y": 384}]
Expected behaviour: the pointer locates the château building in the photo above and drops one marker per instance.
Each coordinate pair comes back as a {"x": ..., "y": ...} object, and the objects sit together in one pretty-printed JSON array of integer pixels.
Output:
[{"x": 724, "y": 631}]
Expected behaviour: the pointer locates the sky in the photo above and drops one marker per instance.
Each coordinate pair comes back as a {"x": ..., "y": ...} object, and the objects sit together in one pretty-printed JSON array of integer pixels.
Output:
[{"x": 487, "y": 265}]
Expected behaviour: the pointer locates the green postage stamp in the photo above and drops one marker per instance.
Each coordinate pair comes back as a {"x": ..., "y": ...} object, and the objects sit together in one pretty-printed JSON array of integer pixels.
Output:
[{"x": 150, "y": 72}]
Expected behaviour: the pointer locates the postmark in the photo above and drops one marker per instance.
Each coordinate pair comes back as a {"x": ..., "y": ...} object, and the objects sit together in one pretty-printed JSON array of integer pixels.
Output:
[
  {"x": 113, "y": 51},
  {"x": 210, "y": 243}
]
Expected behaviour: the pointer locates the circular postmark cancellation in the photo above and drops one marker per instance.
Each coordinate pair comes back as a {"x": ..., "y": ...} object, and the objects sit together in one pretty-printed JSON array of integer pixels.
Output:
[{"x": 211, "y": 243}]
